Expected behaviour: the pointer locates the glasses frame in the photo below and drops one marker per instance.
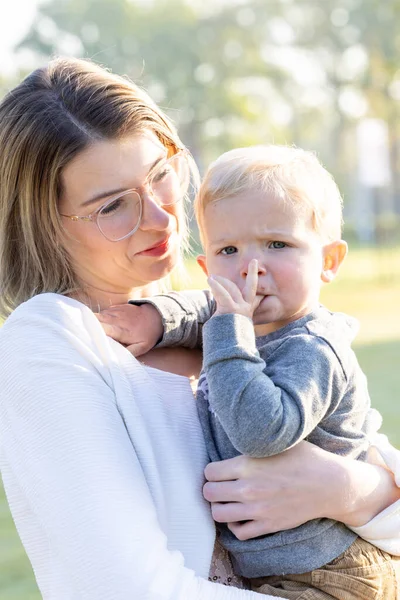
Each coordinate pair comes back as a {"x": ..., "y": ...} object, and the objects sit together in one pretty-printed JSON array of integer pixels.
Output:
[{"x": 93, "y": 216}]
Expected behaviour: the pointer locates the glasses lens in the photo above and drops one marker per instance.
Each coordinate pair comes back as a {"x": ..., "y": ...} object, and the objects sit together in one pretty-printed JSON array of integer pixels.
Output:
[
  {"x": 120, "y": 217},
  {"x": 170, "y": 182}
]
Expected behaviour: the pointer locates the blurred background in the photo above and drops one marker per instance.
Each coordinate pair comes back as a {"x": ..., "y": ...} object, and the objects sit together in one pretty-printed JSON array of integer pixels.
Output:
[{"x": 324, "y": 75}]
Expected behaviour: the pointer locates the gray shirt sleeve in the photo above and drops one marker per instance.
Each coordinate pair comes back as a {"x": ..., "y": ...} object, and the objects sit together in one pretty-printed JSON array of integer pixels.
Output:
[
  {"x": 267, "y": 407},
  {"x": 183, "y": 315}
]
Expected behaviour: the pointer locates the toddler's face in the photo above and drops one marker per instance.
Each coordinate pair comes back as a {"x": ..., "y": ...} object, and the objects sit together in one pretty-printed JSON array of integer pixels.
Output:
[{"x": 291, "y": 256}]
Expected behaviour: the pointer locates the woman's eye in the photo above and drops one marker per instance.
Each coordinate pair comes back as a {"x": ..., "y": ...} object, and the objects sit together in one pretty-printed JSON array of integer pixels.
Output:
[
  {"x": 277, "y": 245},
  {"x": 112, "y": 207},
  {"x": 229, "y": 250},
  {"x": 159, "y": 176}
]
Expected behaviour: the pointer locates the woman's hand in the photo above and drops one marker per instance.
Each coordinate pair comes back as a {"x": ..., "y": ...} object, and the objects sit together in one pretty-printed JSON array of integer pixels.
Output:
[{"x": 260, "y": 496}]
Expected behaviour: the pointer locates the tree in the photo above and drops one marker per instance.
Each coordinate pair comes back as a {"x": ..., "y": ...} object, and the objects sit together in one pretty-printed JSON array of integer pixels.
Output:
[
  {"x": 246, "y": 71},
  {"x": 194, "y": 64}
]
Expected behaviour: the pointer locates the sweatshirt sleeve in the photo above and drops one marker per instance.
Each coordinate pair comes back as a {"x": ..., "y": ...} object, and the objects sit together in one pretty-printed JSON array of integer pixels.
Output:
[
  {"x": 266, "y": 408},
  {"x": 183, "y": 315},
  {"x": 384, "y": 530},
  {"x": 64, "y": 442}
]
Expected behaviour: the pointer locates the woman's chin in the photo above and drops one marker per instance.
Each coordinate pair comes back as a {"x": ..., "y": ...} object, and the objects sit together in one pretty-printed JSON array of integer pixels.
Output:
[
  {"x": 173, "y": 257},
  {"x": 164, "y": 265}
]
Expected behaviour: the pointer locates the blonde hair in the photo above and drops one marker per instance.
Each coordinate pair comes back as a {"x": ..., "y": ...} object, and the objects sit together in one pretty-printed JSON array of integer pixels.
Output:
[
  {"x": 54, "y": 114},
  {"x": 290, "y": 174}
]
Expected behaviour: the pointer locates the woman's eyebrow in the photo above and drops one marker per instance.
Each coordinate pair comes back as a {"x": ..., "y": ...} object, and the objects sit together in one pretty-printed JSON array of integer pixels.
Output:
[{"x": 106, "y": 194}]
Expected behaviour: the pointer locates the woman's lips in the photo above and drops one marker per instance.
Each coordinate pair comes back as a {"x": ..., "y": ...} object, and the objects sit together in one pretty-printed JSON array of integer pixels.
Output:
[{"x": 158, "y": 249}]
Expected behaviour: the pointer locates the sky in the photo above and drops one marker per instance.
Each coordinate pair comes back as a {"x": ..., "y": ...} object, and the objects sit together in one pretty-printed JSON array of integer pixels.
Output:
[{"x": 16, "y": 17}]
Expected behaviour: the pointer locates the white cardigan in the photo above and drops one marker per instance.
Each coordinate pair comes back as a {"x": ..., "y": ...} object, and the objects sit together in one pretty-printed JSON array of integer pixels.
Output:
[{"x": 102, "y": 461}]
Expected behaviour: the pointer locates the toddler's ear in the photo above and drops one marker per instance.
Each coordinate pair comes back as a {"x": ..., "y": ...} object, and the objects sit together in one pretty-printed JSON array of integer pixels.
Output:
[
  {"x": 334, "y": 254},
  {"x": 201, "y": 261}
]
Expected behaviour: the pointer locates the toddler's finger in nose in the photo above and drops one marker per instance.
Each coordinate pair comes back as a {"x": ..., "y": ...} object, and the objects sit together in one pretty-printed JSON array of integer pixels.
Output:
[
  {"x": 250, "y": 287},
  {"x": 253, "y": 265}
]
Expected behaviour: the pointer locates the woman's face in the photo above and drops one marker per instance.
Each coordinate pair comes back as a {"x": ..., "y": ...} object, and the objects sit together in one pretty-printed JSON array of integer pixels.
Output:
[{"x": 103, "y": 170}]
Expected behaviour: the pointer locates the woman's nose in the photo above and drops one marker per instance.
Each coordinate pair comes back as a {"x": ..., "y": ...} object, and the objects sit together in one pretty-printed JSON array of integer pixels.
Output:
[
  {"x": 154, "y": 215},
  {"x": 245, "y": 269}
]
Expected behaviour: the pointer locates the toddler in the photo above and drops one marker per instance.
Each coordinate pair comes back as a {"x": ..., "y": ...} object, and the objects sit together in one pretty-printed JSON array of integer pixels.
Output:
[{"x": 278, "y": 367}]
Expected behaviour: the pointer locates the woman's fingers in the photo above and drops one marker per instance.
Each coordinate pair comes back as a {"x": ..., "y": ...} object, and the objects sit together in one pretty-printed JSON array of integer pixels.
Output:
[
  {"x": 279, "y": 492},
  {"x": 230, "y": 512},
  {"x": 285, "y": 490},
  {"x": 249, "y": 529},
  {"x": 222, "y": 491},
  {"x": 225, "y": 470}
]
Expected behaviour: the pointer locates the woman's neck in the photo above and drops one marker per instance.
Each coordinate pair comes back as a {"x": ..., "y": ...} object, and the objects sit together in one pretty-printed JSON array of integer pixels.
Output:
[{"x": 98, "y": 299}]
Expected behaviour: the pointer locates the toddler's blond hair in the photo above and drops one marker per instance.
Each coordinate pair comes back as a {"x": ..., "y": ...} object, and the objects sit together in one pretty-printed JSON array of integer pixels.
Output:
[{"x": 290, "y": 174}]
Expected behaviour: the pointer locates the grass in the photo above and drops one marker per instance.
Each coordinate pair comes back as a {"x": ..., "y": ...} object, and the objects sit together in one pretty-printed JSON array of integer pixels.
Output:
[
  {"x": 369, "y": 289},
  {"x": 16, "y": 578}
]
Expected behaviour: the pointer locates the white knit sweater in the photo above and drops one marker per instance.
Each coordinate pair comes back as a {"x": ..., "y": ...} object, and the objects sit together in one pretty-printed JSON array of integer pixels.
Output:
[{"x": 102, "y": 461}]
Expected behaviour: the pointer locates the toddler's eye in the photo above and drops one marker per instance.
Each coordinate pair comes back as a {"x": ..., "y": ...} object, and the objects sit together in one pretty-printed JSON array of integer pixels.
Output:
[
  {"x": 277, "y": 245},
  {"x": 229, "y": 250}
]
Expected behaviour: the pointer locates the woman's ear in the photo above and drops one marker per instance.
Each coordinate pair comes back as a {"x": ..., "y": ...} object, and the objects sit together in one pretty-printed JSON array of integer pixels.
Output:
[
  {"x": 334, "y": 254},
  {"x": 201, "y": 261}
]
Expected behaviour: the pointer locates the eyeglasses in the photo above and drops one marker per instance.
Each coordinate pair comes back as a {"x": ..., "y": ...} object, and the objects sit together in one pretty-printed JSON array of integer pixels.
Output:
[{"x": 121, "y": 215}]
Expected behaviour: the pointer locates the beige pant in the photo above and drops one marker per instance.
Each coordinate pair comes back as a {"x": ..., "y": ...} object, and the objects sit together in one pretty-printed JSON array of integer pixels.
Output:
[{"x": 363, "y": 572}]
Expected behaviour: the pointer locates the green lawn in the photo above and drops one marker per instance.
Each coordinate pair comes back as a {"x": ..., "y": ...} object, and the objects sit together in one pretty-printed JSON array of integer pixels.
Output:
[
  {"x": 368, "y": 288},
  {"x": 16, "y": 579}
]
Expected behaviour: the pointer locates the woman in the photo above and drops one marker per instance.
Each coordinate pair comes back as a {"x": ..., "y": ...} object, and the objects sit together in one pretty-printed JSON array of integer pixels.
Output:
[{"x": 102, "y": 457}]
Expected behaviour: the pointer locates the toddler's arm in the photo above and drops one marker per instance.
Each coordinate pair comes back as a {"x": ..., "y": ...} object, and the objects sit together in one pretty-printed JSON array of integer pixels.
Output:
[
  {"x": 267, "y": 408},
  {"x": 174, "y": 319},
  {"x": 168, "y": 320},
  {"x": 264, "y": 407},
  {"x": 183, "y": 315}
]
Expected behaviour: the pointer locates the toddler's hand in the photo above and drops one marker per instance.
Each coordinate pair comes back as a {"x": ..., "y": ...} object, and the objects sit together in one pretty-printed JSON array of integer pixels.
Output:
[
  {"x": 139, "y": 328},
  {"x": 230, "y": 299}
]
